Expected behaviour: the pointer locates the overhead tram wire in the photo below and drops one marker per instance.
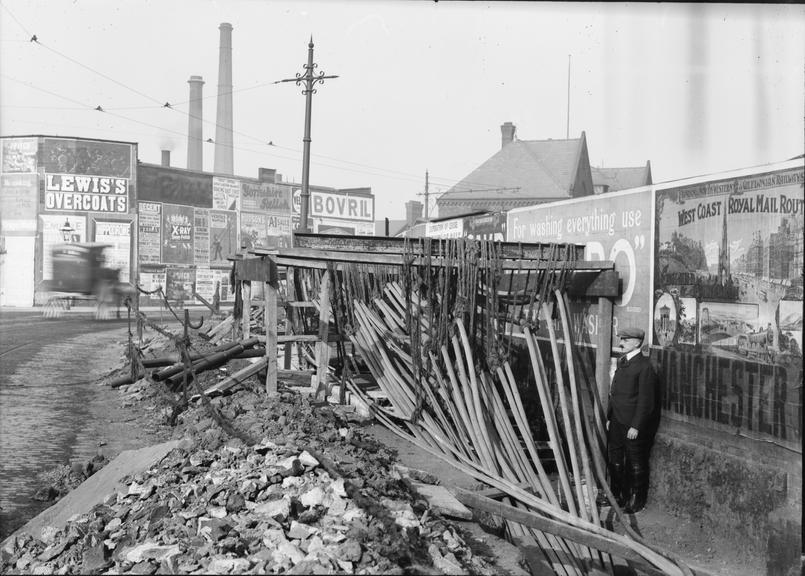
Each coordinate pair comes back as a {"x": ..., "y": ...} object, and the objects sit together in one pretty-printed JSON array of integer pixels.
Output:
[{"x": 377, "y": 171}]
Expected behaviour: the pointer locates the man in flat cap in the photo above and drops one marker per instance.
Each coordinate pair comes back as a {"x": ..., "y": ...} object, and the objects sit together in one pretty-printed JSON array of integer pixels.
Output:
[{"x": 632, "y": 420}]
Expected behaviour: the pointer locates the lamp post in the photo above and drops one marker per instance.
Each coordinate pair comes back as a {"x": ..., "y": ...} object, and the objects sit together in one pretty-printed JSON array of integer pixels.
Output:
[
  {"x": 309, "y": 78},
  {"x": 67, "y": 231}
]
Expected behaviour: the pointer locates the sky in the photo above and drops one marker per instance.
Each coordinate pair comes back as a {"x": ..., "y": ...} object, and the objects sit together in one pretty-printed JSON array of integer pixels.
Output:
[{"x": 693, "y": 88}]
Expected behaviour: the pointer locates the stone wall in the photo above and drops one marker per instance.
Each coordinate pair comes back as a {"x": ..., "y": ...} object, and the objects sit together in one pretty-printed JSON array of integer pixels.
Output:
[{"x": 746, "y": 492}]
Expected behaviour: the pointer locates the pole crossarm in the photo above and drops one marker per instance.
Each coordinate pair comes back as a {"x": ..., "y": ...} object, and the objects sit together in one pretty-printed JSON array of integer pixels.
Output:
[{"x": 309, "y": 78}]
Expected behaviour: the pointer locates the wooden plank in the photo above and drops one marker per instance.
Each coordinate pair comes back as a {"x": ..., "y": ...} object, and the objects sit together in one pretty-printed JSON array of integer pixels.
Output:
[
  {"x": 246, "y": 316},
  {"x": 550, "y": 526},
  {"x": 270, "y": 323},
  {"x": 256, "y": 269},
  {"x": 306, "y": 257},
  {"x": 234, "y": 379},
  {"x": 322, "y": 346},
  {"x": 284, "y": 338},
  {"x": 388, "y": 245},
  {"x": 296, "y": 377},
  {"x": 594, "y": 285},
  {"x": 442, "y": 501},
  {"x": 602, "y": 355}
]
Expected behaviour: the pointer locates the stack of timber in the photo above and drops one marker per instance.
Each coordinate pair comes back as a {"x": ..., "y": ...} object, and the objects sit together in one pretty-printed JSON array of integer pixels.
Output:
[{"x": 434, "y": 322}]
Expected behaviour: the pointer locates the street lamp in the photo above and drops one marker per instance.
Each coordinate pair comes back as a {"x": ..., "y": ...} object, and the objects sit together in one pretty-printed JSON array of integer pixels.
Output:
[{"x": 67, "y": 231}]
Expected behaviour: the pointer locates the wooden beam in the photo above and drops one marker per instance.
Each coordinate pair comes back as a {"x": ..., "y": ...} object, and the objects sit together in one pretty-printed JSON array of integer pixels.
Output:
[
  {"x": 550, "y": 526},
  {"x": 270, "y": 323},
  {"x": 387, "y": 245},
  {"x": 322, "y": 346},
  {"x": 256, "y": 269},
  {"x": 311, "y": 258}
]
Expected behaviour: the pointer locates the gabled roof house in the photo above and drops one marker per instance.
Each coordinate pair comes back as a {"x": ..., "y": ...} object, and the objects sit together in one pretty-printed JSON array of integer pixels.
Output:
[{"x": 522, "y": 173}]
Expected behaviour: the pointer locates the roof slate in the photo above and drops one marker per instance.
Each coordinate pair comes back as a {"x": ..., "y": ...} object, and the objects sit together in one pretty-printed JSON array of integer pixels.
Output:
[
  {"x": 523, "y": 168},
  {"x": 622, "y": 178}
]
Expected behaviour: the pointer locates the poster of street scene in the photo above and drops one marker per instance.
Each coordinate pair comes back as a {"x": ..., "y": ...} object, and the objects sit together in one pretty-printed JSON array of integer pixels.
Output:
[
  {"x": 223, "y": 237},
  {"x": 177, "y": 234},
  {"x": 732, "y": 250},
  {"x": 64, "y": 156},
  {"x": 18, "y": 155}
]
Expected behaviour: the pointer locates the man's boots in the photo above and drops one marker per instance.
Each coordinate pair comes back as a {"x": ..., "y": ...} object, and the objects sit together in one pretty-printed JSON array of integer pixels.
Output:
[
  {"x": 616, "y": 484},
  {"x": 639, "y": 489}
]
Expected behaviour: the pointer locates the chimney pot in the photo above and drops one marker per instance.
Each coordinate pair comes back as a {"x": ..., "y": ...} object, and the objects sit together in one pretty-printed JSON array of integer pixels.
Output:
[
  {"x": 166, "y": 158},
  {"x": 507, "y": 131}
]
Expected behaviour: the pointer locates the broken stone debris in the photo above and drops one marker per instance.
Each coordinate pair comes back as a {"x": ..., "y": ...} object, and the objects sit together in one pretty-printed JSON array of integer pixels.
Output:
[{"x": 218, "y": 505}]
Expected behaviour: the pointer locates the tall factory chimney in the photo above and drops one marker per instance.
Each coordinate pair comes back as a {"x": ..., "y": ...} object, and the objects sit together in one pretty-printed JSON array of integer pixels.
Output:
[
  {"x": 195, "y": 149},
  {"x": 223, "y": 120}
]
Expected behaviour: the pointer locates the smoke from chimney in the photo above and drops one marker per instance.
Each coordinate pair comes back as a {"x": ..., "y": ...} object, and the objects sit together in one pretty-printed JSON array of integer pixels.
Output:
[
  {"x": 223, "y": 131},
  {"x": 195, "y": 149}
]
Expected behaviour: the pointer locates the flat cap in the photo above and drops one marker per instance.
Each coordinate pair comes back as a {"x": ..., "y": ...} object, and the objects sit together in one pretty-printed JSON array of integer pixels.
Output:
[{"x": 631, "y": 333}]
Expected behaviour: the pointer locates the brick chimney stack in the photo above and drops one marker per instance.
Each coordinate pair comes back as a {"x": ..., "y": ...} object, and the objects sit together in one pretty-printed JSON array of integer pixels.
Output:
[
  {"x": 413, "y": 210},
  {"x": 507, "y": 131},
  {"x": 223, "y": 130},
  {"x": 166, "y": 158},
  {"x": 195, "y": 149}
]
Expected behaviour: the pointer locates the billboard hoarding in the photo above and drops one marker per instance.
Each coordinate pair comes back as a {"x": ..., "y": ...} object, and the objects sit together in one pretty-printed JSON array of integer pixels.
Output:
[
  {"x": 150, "y": 232},
  {"x": 19, "y": 194},
  {"x": 18, "y": 155},
  {"x": 177, "y": 234},
  {"x": 223, "y": 237},
  {"x": 201, "y": 240},
  {"x": 66, "y": 156},
  {"x": 118, "y": 235}
]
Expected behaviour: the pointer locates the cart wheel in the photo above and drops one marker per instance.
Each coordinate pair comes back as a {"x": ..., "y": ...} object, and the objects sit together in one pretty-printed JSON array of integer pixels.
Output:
[{"x": 54, "y": 307}]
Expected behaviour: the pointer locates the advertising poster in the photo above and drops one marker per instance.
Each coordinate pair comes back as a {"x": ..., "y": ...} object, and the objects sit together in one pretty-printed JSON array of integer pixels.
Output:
[
  {"x": 19, "y": 195},
  {"x": 225, "y": 193},
  {"x": 205, "y": 283},
  {"x": 445, "y": 229},
  {"x": 149, "y": 224},
  {"x": 177, "y": 234},
  {"x": 179, "y": 284},
  {"x": 278, "y": 230},
  {"x": 86, "y": 193},
  {"x": 52, "y": 234},
  {"x": 201, "y": 242},
  {"x": 326, "y": 226},
  {"x": 486, "y": 227},
  {"x": 615, "y": 227},
  {"x": 221, "y": 279},
  {"x": 253, "y": 230},
  {"x": 18, "y": 155},
  {"x": 66, "y": 156},
  {"x": 343, "y": 206},
  {"x": 223, "y": 237},
  {"x": 118, "y": 236},
  {"x": 158, "y": 184},
  {"x": 150, "y": 281},
  {"x": 265, "y": 198},
  {"x": 727, "y": 317}
]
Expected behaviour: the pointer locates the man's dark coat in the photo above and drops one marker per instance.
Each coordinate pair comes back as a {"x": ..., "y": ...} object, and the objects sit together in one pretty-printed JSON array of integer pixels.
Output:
[{"x": 634, "y": 395}]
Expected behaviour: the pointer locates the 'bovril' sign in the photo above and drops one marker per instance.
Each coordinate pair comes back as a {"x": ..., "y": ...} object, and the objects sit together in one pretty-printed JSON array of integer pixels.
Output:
[{"x": 326, "y": 205}]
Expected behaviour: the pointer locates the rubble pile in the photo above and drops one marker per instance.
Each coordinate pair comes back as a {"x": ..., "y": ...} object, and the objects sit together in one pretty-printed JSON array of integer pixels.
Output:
[{"x": 313, "y": 494}]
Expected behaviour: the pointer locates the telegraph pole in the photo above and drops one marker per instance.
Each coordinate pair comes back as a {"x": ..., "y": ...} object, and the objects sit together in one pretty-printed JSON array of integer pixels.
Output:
[
  {"x": 427, "y": 217},
  {"x": 309, "y": 78}
]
